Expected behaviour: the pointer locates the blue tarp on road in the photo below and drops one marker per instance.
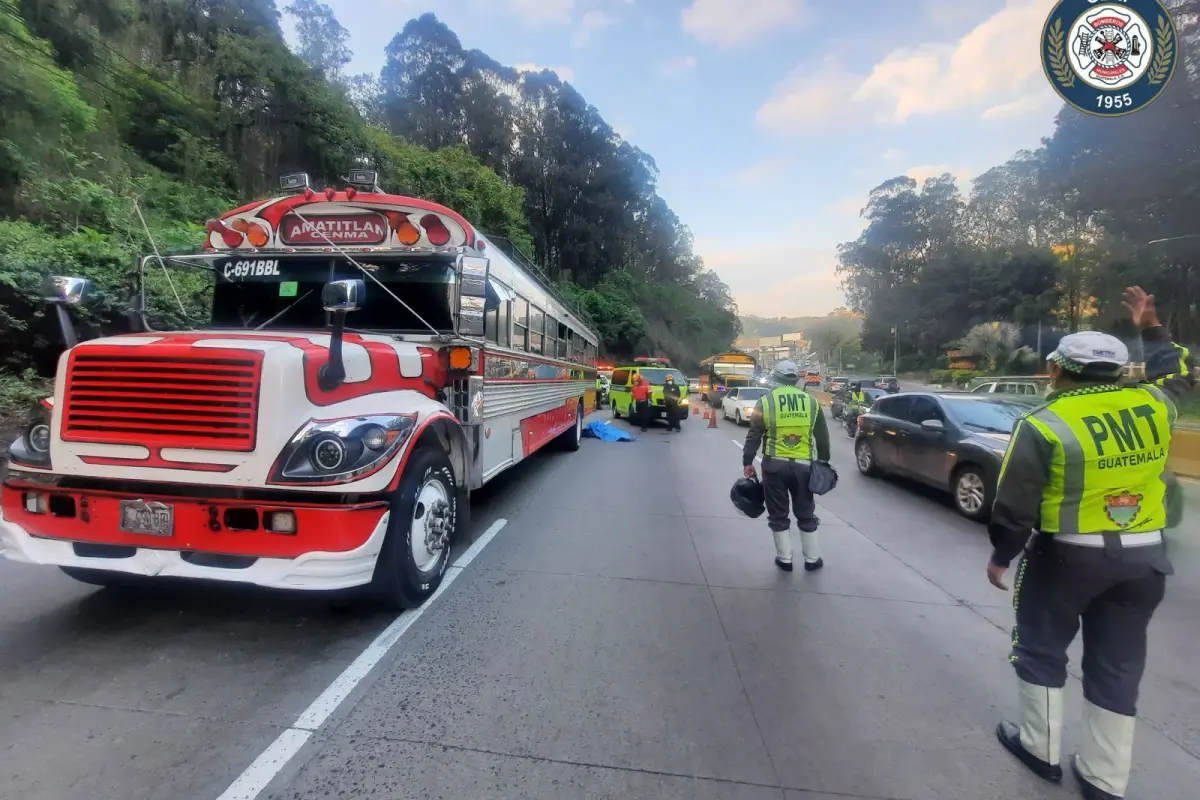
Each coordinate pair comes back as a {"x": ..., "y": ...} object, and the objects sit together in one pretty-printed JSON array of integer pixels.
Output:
[{"x": 599, "y": 429}]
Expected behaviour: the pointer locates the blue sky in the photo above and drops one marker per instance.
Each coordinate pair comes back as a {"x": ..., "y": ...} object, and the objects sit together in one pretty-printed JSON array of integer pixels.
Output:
[{"x": 771, "y": 120}]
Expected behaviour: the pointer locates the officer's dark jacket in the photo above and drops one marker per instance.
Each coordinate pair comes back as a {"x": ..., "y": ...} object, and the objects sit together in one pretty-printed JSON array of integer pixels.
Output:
[
  {"x": 758, "y": 429},
  {"x": 670, "y": 391},
  {"x": 1016, "y": 512}
]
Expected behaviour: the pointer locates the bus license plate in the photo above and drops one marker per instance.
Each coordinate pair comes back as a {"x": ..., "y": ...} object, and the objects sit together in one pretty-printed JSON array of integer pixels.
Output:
[{"x": 152, "y": 519}]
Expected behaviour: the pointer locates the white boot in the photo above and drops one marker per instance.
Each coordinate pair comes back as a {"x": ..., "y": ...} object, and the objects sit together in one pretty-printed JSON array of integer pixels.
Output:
[
  {"x": 1041, "y": 721},
  {"x": 810, "y": 545},
  {"x": 783, "y": 546},
  {"x": 1106, "y": 753}
]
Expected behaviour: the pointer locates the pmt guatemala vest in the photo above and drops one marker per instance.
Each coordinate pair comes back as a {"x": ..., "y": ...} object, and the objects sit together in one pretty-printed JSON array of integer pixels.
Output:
[
  {"x": 1110, "y": 448},
  {"x": 788, "y": 416}
]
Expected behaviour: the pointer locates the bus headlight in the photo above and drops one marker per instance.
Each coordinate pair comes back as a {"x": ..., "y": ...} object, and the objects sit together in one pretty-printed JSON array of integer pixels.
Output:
[
  {"x": 341, "y": 450},
  {"x": 32, "y": 447}
]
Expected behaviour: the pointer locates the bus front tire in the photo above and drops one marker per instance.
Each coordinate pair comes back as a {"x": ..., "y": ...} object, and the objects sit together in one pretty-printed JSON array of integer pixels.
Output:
[{"x": 422, "y": 527}]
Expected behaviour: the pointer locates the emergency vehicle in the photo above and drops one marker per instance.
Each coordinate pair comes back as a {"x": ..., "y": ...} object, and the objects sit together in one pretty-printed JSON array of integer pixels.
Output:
[
  {"x": 369, "y": 359},
  {"x": 654, "y": 371}
]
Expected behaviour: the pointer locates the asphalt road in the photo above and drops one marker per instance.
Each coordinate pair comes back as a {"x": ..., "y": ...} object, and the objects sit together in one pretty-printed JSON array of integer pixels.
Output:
[{"x": 625, "y": 635}]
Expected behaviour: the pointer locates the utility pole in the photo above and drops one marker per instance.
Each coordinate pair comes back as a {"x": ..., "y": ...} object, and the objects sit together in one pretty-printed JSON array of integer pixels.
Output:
[{"x": 895, "y": 348}]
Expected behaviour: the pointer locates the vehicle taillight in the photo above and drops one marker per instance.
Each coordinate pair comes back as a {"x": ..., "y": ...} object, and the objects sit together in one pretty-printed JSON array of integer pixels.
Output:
[
  {"x": 229, "y": 236},
  {"x": 435, "y": 230},
  {"x": 406, "y": 232},
  {"x": 257, "y": 234}
]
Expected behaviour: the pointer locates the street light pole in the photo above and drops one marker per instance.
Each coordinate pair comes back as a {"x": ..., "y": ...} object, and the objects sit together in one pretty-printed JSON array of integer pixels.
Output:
[{"x": 895, "y": 348}]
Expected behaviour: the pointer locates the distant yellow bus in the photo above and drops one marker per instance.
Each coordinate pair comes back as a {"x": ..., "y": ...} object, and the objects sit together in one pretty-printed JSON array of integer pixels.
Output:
[{"x": 721, "y": 372}]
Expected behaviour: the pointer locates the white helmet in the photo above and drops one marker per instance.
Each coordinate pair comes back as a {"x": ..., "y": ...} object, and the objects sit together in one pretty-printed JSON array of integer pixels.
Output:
[{"x": 786, "y": 372}]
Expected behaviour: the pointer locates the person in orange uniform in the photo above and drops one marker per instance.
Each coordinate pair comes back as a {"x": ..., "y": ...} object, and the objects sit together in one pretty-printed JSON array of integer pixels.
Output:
[{"x": 641, "y": 400}]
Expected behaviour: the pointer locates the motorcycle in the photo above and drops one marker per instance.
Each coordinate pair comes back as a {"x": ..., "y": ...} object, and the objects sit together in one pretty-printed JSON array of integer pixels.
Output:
[{"x": 850, "y": 420}]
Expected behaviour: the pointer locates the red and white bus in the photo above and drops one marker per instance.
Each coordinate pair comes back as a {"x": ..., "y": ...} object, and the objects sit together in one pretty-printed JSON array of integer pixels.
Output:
[{"x": 365, "y": 362}]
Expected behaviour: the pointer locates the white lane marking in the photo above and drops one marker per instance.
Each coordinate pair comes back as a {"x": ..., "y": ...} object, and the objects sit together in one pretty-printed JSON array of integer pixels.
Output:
[
  {"x": 255, "y": 778},
  {"x": 266, "y": 766},
  {"x": 738, "y": 445}
]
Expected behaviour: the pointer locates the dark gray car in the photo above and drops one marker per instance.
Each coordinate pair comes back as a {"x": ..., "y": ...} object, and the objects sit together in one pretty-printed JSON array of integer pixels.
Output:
[{"x": 951, "y": 441}]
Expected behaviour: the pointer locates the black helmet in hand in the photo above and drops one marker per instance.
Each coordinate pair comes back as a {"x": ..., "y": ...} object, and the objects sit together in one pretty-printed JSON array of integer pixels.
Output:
[{"x": 747, "y": 496}]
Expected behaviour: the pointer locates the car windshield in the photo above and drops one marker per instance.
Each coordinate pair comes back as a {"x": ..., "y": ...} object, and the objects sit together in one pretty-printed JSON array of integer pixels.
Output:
[
  {"x": 750, "y": 394},
  {"x": 988, "y": 414},
  {"x": 657, "y": 377}
]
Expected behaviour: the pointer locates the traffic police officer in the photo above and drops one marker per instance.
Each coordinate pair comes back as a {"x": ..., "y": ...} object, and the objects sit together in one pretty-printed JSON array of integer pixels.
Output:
[
  {"x": 786, "y": 421},
  {"x": 1086, "y": 472}
]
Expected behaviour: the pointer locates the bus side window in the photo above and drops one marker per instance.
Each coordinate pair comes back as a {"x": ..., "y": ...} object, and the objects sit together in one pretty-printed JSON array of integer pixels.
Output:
[
  {"x": 564, "y": 342},
  {"x": 551, "y": 336},
  {"x": 520, "y": 323},
  {"x": 536, "y": 323}
]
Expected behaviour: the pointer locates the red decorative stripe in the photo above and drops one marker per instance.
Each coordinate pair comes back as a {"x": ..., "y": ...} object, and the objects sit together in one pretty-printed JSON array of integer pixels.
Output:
[
  {"x": 540, "y": 429},
  {"x": 416, "y": 435},
  {"x": 275, "y": 212}
]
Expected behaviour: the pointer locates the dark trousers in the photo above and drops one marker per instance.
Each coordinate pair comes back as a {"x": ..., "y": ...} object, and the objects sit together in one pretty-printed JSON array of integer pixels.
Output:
[
  {"x": 642, "y": 412},
  {"x": 1114, "y": 592},
  {"x": 782, "y": 479},
  {"x": 673, "y": 414}
]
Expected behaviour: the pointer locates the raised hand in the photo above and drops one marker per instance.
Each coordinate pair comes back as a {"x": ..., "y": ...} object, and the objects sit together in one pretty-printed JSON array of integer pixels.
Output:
[{"x": 1141, "y": 307}]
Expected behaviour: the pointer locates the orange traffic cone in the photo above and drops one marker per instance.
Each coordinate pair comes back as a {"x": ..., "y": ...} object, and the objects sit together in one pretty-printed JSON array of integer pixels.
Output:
[
  {"x": 712, "y": 420},
  {"x": 695, "y": 410}
]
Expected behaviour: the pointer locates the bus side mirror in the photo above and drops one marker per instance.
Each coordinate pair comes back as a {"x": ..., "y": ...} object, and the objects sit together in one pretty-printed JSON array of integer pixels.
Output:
[
  {"x": 339, "y": 298},
  {"x": 62, "y": 291},
  {"x": 472, "y": 294}
]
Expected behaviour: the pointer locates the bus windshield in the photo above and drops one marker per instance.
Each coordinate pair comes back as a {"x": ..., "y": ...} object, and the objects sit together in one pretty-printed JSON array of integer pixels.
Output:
[
  {"x": 284, "y": 293},
  {"x": 658, "y": 376},
  {"x": 733, "y": 368}
]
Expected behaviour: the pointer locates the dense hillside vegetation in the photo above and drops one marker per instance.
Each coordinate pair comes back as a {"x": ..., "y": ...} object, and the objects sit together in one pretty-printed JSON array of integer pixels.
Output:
[
  {"x": 190, "y": 107},
  {"x": 1050, "y": 236}
]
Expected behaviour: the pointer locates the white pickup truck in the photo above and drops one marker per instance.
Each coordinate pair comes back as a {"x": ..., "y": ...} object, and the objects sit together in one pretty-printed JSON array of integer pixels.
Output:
[{"x": 1024, "y": 388}]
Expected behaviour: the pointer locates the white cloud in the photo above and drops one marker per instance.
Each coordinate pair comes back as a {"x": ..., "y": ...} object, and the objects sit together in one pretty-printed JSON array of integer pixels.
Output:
[
  {"x": 761, "y": 171},
  {"x": 729, "y": 23},
  {"x": 810, "y": 98},
  {"x": 994, "y": 66},
  {"x": 542, "y": 12},
  {"x": 1033, "y": 103},
  {"x": 564, "y": 73},
  {"x": 591, "y": 22},
  {"x": 678, "y": 66},
  {"x": 891, "y": 155},
  {"x": 999, "y": 58}
]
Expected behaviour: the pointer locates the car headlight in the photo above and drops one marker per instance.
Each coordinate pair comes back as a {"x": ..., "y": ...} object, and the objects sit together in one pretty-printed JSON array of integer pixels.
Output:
[
  {"x": 341, "y": 450},
  {"x": 32, "y": 447}
]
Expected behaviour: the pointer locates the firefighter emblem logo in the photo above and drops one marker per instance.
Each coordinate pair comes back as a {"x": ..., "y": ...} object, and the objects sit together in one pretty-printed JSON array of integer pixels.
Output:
[
  {"x": 1109, "y": 58},
  {"x": 1123, "y": 509}
]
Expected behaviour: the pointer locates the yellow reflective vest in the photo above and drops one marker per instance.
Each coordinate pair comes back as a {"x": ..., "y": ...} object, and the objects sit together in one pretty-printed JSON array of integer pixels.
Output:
[
  {"x": 1107, "y": 449},
  {"x": 788, "y": 418}
]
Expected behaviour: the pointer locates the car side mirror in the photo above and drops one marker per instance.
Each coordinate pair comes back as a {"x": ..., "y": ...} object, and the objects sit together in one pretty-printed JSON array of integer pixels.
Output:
[
  {"x": 933, "y": 425},
  {"x": 62, "y": 291}
]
